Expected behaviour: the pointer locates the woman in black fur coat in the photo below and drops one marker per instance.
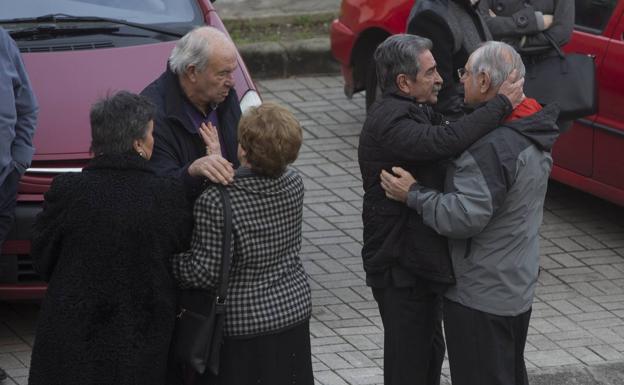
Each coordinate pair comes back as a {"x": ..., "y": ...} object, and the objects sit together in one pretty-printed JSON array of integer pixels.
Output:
[{"x": 103, "y": 242}]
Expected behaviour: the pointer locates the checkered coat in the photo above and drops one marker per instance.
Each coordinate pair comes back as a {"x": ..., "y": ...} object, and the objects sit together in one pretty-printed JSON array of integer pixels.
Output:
[{"x": 268, "y": 288}]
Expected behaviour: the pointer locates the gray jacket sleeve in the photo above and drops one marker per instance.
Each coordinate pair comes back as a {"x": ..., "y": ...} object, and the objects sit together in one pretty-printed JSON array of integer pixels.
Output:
[
  {"x": 461, "y": 213},
  {"x": 18, "y": 110},
  {"x": 560, "y": 30},
  {"x": 526, "y": 21}
]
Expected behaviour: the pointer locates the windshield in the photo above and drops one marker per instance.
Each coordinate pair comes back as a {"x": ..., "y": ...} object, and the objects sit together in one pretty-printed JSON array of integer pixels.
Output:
[{"x": 138, "y": 11}]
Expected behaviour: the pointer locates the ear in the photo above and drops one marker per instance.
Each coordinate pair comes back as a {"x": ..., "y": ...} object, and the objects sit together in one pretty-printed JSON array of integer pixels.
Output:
[
  {"x": 402, "y": 83},
  {"x": 137, "y": 144},
  {"x": 191, "y": 73},
  {"x": 484, "y": 81}
]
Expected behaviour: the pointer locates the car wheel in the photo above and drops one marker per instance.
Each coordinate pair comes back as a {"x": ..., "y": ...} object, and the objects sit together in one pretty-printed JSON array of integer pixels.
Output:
[{"x": 372, "y": 88}]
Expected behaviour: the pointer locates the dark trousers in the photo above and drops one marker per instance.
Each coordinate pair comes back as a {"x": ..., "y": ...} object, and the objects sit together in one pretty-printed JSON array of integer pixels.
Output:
[
  {"x": 8, "y": 195},
  {"x": 413, "y": 339},
  {"x": 483, "y": 348}
]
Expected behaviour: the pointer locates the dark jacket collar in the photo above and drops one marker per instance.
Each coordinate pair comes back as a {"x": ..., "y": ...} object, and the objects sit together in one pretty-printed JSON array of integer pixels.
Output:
[{"x": 125, "y": 161}]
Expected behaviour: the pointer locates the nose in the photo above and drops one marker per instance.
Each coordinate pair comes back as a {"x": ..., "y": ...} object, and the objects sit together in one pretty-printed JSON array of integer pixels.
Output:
[
  {"x": 229, "y": 80},
  {"x": 438, "y": 78}
]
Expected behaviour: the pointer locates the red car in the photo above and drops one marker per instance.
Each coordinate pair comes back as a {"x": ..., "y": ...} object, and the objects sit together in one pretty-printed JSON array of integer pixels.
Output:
[
  {"x": 76, "y": 52},
  {"x": 590, "y": 156}
]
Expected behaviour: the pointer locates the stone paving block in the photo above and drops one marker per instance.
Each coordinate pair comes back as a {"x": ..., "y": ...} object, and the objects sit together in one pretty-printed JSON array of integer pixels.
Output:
[
  {"x": 585, "y": 304},
  {"x": 547, "y": 262},
  {"x": 333, "y": 361},
  {"x": 589, "y": 242},
  {"x": 363, "y": 376},
  {"x": 563, "y": 323},
  {"x": 585, "y": 355},
  {"x": 582, "y": 277},
  {"x": 601, "y": 323},
  {"x": 607, "y": 352},
  {"x": 356, "y": 359},
  {"x": 579, "y": 342},
  {"x": 19, "y": 347},
  {"x": 541, "y": 342},
  {"x": 321, "y": 313},
  {"x": 590, "y": 254},
  {"x": 318, "y": 329},
  {"x": 327, "y": 377},
  {"x": 566, "y": 260},
  {"x": 9, "y": 361},
  {"x": 564, "y": 307},
  {"x": 325, "y": 301},
  {"x": 361, "y": 343},
  {"x": 586, "y": 288},
  {"x": 546, "y": 278},
  {"x": 331, "y": 349},
  {"x": 348, "y": 295},
  {"x": 608, "y": 271},
  {"x": 607, "y": 335},
  {"x": 344, "y": 311},
  {"x": 541, "y": 325},
  {"x": 596, "y": 315},
  {"x": 366, "y": 330},
  {"x": 549, "y": 358}
]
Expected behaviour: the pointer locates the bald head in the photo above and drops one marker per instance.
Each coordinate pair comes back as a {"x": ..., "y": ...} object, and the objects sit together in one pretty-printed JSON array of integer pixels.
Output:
[{"x": 197, "y": 47}]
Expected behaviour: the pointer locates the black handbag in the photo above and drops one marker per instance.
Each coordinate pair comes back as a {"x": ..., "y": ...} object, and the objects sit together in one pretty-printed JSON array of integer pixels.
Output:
[
  {"x": 566, "y": 79},
  {"x": 198, "y": 334}
]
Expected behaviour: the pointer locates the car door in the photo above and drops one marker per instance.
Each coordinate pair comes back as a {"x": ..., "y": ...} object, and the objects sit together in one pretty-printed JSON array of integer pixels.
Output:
[
  {"x": 595, "y": 22},
  {"x": 609, "y": 124}
]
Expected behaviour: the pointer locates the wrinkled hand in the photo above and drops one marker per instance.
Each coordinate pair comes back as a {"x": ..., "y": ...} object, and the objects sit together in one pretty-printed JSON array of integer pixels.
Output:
[
  {"x": 398, "y": 186},
  {"x": 210, "y": 136},
  {"x": 548, "y": 20},
  {"x": 512, "y": 89},
  {"x": 214, "y": 167}
]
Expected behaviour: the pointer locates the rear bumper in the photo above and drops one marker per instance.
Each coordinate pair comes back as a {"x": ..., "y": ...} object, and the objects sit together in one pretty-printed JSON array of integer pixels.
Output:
[
  {"x": 18, "y": 279},
  {"x": 342, "y": 40}
]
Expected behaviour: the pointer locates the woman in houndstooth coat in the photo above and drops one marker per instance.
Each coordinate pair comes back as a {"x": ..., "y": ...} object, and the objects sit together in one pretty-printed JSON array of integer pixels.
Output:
[{"x": 268, "y": 305}]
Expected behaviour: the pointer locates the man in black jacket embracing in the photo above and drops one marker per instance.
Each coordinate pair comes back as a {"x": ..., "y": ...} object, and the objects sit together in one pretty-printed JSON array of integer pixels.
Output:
[{"x": 407, "y": 264}]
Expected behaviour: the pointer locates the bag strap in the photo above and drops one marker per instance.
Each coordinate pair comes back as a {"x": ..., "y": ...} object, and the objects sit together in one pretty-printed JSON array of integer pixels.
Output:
[
  {"x": 226, "y": 259},
  {"x": 554, "y": 44}
]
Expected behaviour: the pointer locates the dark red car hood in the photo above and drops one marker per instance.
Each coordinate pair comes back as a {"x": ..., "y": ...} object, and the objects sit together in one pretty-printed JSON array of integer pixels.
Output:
[{"x": 67, "y": 83}]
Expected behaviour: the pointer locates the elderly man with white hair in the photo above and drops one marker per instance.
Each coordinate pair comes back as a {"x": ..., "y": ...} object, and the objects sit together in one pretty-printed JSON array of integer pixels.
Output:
[
  {"x": 195, "y": 98},
  {"x": 491, "y": 212}
]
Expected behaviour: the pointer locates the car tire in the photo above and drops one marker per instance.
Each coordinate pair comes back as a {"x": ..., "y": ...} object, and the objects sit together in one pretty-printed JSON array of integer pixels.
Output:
[{"x": 372, "y": 88}]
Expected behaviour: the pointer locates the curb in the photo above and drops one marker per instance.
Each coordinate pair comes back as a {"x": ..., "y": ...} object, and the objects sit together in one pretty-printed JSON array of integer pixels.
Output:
[
  {"x": 600, "y": 374},
  {"x": 281, "y": 59},
  {"x": 284, "y": 59}
]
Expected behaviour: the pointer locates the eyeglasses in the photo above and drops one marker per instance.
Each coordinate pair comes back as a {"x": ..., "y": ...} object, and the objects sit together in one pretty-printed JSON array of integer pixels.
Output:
[{"x": 461, "y": 72}]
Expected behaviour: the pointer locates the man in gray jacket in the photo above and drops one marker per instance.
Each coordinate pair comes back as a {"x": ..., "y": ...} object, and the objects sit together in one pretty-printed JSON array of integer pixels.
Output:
[
  {"x": 18, "y": 118},
  {"x": 491, "y": 212}
]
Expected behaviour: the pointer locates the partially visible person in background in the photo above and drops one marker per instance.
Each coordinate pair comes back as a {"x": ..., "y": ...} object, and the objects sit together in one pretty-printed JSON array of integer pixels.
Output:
[
  {"x": 528, "y": 25},
  {"x": 456, "y": 29},
  {"x": 523, "y": 24},
  {"x": 18, "y": 119},
  {"x": 268, "y": 306},
  {"x": 103, "y": 243}
]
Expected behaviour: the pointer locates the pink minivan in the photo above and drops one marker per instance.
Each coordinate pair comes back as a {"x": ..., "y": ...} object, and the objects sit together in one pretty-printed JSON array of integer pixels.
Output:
[{"x": 77, "y": 51}]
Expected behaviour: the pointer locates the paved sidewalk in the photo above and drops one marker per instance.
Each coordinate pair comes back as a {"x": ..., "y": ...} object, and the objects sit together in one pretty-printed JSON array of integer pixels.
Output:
[{"x": 576, "y": 334}]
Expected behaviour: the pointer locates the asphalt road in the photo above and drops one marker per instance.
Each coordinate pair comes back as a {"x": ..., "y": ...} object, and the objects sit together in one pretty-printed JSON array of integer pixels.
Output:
[{"x": 577, "y": 329}]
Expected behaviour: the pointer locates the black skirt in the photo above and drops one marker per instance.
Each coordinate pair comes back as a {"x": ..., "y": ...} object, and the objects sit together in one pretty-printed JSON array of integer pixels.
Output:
[{"x": 283, "y": 358}]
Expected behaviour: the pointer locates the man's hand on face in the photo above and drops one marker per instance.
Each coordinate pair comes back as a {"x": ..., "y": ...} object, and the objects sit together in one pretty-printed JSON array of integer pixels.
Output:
[
  {"x": 214, "y": 167},
  {"x": 512, "y": 89},
  {"x": 397, "y": 186}
]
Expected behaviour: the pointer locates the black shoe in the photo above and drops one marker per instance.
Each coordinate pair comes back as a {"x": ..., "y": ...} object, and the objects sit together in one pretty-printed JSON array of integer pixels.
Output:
[{"x": 3, "y": 375}]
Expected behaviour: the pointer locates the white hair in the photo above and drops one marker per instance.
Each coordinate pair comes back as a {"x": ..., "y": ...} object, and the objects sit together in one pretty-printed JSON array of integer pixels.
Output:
[
  {"x": 497, "y": 59},
  {"x": 195, "y": 48}
]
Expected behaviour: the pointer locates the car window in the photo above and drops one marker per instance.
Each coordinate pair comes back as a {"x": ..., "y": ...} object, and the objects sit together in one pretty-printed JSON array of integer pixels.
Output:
[
  {"x": 138, "y": 11},
  {"x": 593, "y": 15}
]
